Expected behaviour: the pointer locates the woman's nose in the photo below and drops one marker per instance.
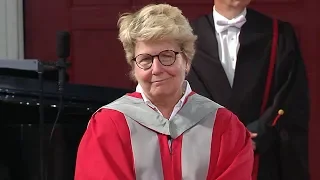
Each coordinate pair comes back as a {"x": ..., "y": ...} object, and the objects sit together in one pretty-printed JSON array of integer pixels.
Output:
[{"x": 157, "y": 67}]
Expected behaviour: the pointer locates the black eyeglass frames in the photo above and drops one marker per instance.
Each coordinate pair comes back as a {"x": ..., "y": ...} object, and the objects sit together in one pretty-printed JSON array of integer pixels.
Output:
[{"x": 166, "y": 58}]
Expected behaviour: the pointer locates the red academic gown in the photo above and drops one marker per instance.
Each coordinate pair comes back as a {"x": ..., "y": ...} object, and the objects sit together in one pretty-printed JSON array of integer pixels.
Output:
[{"x": 113, "y": 149}]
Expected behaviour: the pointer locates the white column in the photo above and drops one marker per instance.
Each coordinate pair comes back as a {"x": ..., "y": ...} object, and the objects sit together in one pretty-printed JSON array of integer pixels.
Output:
[{"x": 11, "y": 29}]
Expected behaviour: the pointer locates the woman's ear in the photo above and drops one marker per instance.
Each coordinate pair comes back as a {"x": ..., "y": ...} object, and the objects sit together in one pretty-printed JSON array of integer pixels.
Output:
[
  {"x": 187, "y": 68},
  {"x": 188, "y": 64}
]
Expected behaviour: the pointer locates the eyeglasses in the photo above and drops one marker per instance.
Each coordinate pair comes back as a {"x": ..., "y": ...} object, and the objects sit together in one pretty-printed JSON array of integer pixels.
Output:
[{"x": 166, "y": 58}]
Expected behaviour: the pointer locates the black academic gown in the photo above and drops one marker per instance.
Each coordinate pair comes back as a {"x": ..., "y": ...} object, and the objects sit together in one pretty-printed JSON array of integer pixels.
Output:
[{"x": 283, "y": 148}]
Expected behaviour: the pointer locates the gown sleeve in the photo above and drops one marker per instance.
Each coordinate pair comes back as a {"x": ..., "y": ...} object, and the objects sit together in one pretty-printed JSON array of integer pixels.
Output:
[
  {"x": 231, "y": 148},
  {"x": 105, "y": 151}
]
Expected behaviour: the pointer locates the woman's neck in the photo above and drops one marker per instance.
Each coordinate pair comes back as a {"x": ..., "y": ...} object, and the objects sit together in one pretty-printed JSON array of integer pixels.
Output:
[{"x": 166, "y": 104}]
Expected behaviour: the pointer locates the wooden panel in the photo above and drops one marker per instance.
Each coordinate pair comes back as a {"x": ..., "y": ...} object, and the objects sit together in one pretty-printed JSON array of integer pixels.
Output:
[
  {"x": 101, "y": 2},
  {"x": 143, "y": 2},
  {"x": 189, "y": 11},
  {"x": 292, "y": 13},
  {"x": 274, "y": 2},
  {"x": 185, "y": 2},
  {"x": 94, "y": 18},
  {"x": 42, "y": 21},
  {"x": 310, "y": 47},
  {"x": 99, "y": 59}
]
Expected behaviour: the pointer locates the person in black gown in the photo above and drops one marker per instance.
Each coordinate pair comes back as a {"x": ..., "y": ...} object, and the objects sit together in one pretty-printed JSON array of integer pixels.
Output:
[{"x": 251, "y": 64}]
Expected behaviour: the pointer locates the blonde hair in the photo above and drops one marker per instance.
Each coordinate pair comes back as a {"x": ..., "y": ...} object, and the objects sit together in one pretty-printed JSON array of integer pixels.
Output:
[{"x": 156, "y": 22}]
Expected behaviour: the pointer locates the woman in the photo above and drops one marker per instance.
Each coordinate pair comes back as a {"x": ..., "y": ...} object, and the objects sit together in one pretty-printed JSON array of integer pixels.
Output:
[{"x": 163, "y": 131}]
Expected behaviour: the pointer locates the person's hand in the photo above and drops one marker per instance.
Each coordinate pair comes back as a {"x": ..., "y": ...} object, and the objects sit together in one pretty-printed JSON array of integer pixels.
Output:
[{"x": 253, "y": 135}]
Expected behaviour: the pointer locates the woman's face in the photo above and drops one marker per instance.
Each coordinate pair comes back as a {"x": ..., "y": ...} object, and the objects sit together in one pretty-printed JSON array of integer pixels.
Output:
[{"x": 160, "y": 80}]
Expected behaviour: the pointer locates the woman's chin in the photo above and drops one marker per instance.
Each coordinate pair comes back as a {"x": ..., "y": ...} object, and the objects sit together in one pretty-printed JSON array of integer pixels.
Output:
[{"x": 160, "y": 91}]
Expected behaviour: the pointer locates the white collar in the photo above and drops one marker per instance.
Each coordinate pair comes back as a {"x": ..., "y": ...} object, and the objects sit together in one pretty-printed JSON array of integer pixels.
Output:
[{"x": 222, "y": 23}]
